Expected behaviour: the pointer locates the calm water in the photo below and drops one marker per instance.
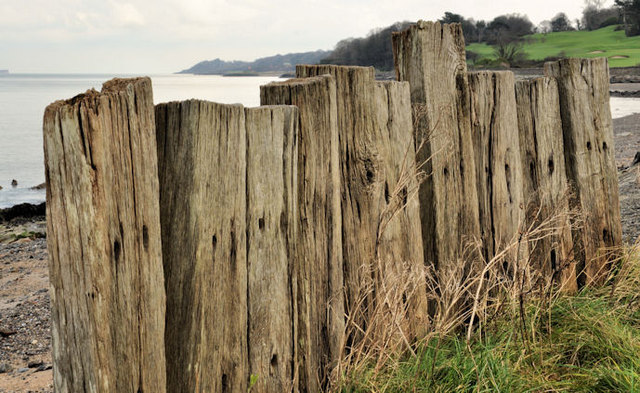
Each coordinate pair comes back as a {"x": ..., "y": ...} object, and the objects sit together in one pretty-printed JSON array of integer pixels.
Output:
[{"x": 23, "y": 99}]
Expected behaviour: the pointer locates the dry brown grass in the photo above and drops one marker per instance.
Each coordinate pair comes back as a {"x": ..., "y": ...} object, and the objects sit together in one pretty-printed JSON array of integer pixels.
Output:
[{"x": 463, "y": 299}]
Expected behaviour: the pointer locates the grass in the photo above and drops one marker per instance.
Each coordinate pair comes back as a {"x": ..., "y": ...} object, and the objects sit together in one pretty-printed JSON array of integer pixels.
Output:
[
  {"x": 588, "y": 342},
  {"x": 577, "y": 44},
  {"x": 497, "y": 325}
]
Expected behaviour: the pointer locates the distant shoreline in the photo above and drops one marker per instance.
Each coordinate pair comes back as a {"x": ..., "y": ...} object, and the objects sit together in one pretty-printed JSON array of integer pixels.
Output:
[{"x": 241, "y": 73}]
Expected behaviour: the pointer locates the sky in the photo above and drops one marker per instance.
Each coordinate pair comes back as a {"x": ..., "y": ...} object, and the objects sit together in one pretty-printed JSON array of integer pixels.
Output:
[{"x": 165, "y": 36}]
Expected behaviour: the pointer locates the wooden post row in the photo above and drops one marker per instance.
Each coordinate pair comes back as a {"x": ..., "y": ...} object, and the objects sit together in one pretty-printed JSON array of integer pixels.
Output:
[
  {"x": 467, "y": 123},
  {"x": 103, "y": 226},
  {"x": 374, "y": 221},
  {"x": 380, "y": 211},
  {"x": 277, "y": 222}
]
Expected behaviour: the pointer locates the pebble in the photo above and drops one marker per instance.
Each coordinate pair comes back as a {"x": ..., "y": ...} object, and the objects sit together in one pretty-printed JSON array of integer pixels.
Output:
[
  {"x": 35, "y": 364},
  {"x": 5, "y": 368}
]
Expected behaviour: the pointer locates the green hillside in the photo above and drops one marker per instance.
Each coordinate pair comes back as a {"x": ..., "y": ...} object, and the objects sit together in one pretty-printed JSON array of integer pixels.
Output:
[{"x": 622, "y": 51}]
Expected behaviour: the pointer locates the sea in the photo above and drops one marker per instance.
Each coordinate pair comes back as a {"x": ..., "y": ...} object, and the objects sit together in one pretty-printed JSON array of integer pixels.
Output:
[{"x": 23, "y": 98}]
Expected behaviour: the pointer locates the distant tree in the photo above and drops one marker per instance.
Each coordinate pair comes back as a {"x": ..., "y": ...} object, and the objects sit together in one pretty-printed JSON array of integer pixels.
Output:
[
  {"x": 469, "y": 29},
  {"x": 544, "y": 27},
  {"x": 507, "y": 28},
  {"x": 561, "y": 22},
  {"x": 373, "y": 50},
  {"x": 594, "y": 18},
  {"x": 630, "y": 10},
  {"x": 450, "y": 17},
  {"x": 481, "y": 28},
  {"x": 596, "y": 4}
]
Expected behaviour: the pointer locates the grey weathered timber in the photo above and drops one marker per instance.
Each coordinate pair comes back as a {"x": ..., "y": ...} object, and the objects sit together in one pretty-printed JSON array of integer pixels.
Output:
[
  {"x": 545, "y": 181},
  {"x": 318, "y": 301},
  {"x": 583, "y": 86},
  {"x": 271, "y": 238},
  {"x": 202, "y": 169},
  {"x": 103, "y": 226},
  {"x": 400, "y": 238},
  {"x": 431, "y": 57},
  {"x": 499, "y": 168},
  {"x": 370, "y": 171},
  {"x": 360, "y": 187}
]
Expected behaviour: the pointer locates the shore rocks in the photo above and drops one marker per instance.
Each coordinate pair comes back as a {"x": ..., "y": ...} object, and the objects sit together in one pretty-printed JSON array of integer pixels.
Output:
[
  {"x": 24, "y": 210},
  {"x": 625, "y": 79},
  {"x": 630, "y": 94}
]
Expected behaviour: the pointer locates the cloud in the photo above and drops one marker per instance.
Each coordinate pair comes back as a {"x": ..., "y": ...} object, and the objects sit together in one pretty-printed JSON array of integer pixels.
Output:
[
  {"x": 168, "y": 35},
  {"x": 126, "y": 15}
]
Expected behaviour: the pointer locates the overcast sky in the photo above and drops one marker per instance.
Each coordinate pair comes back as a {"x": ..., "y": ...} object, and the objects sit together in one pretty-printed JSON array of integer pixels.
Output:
[{"x": 164, "y": 36}]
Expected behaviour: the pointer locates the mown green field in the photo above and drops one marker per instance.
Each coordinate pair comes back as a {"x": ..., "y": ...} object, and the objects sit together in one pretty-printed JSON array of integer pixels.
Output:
[{"x": 621, "y": 51}]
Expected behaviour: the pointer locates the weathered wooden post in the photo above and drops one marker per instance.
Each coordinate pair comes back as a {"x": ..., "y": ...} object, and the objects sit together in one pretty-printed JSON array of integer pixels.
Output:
[
  {"x": 400, "y": 238},
  {"x": 583, "y": 86},
  {"x": 431, "y": 57},
  {"x": 228, "y": 191},
  {"x": 103, "y": 225},
  {"x": 499, "y": 168},
  {"x": 372, "y": 218},
  {"x": 359, "y": 207},
  {"x": 318, "y": 301},
  {"x": 272, "y": 165},
  {"x": 545, "y": 182},
  {"x": 203, "y": 197}
]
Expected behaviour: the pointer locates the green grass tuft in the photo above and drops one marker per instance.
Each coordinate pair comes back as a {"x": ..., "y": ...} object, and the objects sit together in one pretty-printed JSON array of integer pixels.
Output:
[{"x": 589, "y": 342}]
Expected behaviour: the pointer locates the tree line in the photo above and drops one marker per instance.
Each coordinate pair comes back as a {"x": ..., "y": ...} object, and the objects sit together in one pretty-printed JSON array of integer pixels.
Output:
[{"x": 505, "y": 33}]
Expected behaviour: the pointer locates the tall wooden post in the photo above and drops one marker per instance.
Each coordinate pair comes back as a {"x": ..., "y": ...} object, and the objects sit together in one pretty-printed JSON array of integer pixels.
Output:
[
  {"x": 583, "y": 86},
  {"x": 400, "y": 233},
  {"x": 202, "y": 168},
  {"x": 103, "y": 225},
  {"x": 431, "y": 57},
  {"x": 545, "y": 181},
  {"x": 359, "y": 169},
  {"x": 272, "y": 166},
  {"x": 318, "y": 300},
  {"x": 499, "y": 168}
]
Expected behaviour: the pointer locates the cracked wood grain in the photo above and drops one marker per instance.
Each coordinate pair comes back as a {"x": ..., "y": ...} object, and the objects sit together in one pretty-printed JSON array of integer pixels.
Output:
[
  {"x": 103, "y": 225},
  {"x": 583, "y": 88}
]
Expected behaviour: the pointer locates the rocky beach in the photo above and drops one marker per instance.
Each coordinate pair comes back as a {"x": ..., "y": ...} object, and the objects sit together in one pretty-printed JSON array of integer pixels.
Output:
[{"x": 25, "y": 335}]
